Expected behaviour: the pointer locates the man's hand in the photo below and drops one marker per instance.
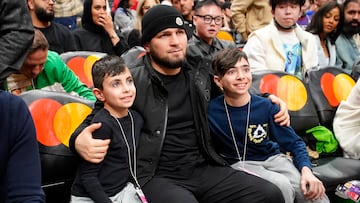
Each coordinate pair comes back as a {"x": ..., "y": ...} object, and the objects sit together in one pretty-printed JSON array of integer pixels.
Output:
[
  {"x": 311, "y": 186},
  {"x": 282, "y": 117},
  {"x": 92, "y": 150}
]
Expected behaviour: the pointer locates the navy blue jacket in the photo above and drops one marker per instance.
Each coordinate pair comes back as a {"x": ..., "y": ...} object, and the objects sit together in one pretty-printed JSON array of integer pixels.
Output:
[{"x": 20, "y": 170}]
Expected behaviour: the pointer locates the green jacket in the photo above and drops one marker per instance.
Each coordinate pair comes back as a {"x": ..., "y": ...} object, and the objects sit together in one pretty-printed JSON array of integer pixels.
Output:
[{"x": 58, "y": 77}]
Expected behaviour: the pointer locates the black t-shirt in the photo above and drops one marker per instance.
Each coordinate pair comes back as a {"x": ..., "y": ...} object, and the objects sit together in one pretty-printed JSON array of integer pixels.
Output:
[
  {"x": 59, "y": 37},
  {"x": 180, "y": 152},
  {"x": 103, "y": 180}
]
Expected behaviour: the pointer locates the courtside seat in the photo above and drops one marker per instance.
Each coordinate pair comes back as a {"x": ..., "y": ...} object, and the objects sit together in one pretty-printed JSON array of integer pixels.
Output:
[
  {"x": 56, "y": 115},
  {"x": 304, "y": 115},
  {"x": 291, "y": 90},
  {"x": 328, "y": 87},
  {"x": 81, "y": 63},
  {"x": 336, "y": 170}
]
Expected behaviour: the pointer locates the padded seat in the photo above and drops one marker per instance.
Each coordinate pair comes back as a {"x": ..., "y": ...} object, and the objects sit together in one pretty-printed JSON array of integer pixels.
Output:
[
  {"x": 291, "y": 90},
  {"x": 309, "y": 96},
  {"x": 81, "y": 63},
  {"x": 56, "y": 115},
  {"x": 328, "y": 87},
  {"x": 336, "y": 170}
]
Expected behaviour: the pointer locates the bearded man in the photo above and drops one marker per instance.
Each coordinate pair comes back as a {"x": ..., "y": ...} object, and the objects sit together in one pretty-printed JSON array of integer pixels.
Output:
[
  {"x": 348, "y": 43},
  {"x": 59, "y": 37}
]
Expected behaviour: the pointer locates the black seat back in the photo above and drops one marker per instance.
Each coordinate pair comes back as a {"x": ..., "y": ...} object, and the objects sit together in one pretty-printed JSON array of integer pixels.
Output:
[
  {"x": 328, "y": 87},
  {"x": 291, "y": 90},
  {"x": 81, "y": 63},
  {"x": 56, "y": 115}
]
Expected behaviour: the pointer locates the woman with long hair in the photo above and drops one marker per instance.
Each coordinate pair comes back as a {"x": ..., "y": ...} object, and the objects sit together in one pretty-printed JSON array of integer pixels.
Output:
[
  {"x": 142, "y": 7},
  {"x": 326, "y": 25},
  {"x": 124, "y": 17}
]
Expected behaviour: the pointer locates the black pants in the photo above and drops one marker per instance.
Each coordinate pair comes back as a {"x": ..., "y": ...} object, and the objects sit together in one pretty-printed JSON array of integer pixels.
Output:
[{"x": 211, "y": 184}]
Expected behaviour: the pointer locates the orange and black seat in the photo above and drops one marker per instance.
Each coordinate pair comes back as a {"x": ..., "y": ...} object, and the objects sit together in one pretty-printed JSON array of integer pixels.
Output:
[
  {"x": 81, "y": 63},
  {"x": 306, "y": 112},
  {"x": 56, "y": 115}
]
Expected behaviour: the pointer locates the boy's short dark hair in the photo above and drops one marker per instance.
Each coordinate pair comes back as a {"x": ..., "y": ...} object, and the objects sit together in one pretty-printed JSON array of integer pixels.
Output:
[
  {"x": 109, "y": 65},
  {"x": 273, "y": 3},
  {"x": 225, "y": 59}
]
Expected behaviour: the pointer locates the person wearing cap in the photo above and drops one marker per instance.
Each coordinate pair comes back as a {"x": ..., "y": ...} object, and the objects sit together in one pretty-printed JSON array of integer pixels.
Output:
[
  {"x": 176, "y": 159},
  {"x": 282, "y": 45}
]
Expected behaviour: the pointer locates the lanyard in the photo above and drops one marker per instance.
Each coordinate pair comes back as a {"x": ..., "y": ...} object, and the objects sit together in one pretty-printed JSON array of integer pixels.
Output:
[
  {"x": 138, "y": 190},
  {"x": 132, "y": 167},
  {"x": 242, "y": 159}
]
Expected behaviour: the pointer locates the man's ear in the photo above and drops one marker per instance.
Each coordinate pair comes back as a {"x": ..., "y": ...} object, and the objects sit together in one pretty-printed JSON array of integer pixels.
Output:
[
  {"x": 99, "y": 94},
  {"x": 195, "y": 18},
  {"x": 218, "y": 82},
  {"x": 30, "y": 4},
  {"x": 146, "y": 46}
]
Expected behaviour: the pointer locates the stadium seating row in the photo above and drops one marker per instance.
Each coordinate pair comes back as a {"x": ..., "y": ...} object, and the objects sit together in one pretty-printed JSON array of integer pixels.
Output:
[{"x": 311, "y": 102}]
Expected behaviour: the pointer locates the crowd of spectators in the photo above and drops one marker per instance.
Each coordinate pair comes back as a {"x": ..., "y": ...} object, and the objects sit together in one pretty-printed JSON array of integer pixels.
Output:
[
  {"x": 286, "y": 35},
  {"x": 113, "y": 27}
]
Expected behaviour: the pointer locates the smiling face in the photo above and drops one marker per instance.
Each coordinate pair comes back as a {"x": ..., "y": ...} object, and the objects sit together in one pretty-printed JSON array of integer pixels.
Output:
[
  {"x": 236, "y": 80},
  {"x": 207, "y": 31},
  {"x": 34, "y": 63},
  {"x": 118, "y": 93},
  {"x": 286, "y": 14},
  {"x": 331, "y": 20}
]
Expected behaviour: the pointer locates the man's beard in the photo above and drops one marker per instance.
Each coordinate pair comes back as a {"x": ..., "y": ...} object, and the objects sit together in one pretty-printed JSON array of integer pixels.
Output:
[
  {"x": 167, "y": 62},
  {"x": 43, "y": 16},
  {"x": 350, "y": 30}
]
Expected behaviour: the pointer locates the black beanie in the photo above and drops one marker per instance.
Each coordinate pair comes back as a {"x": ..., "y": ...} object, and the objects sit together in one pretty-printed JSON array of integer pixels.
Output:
[{"x": 158, "y": 18}]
